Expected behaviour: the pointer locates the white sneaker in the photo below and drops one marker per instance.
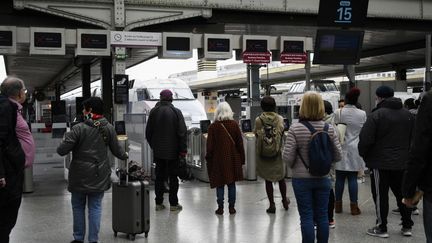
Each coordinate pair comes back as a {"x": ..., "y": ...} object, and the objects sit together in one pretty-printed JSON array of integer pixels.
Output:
[{"x": 406, "y": 231}]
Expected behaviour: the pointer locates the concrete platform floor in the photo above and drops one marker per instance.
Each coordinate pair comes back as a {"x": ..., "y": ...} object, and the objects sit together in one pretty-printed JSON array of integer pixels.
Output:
[{"x": 46, "y": 216}]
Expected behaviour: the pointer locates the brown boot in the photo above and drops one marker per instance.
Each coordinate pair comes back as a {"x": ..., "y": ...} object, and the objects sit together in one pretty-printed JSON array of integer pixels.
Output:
[
  {"x": 338, "y": 206},
  {"x": 355, "y": 210}
]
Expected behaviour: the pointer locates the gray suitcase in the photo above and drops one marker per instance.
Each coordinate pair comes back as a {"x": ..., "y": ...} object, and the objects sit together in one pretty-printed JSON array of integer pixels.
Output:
[{"x": 131, "y": 208}]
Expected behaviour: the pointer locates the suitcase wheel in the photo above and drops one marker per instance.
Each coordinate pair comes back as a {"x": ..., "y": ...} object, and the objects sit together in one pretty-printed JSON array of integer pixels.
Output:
[
  {"x": 115, "y": 233},
  {"x": 146, "y": 234},
  {"x": 131, "y": 236}
]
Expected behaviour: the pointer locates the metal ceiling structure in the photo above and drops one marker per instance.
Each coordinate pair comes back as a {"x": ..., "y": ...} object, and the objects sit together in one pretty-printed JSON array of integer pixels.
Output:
[{"x": 386, "y": 45}]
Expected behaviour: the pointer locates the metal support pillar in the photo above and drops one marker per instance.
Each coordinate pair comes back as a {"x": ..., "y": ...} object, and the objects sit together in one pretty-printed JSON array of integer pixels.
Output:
[
  {"x": 86, "y": 76},
  {"x": 308, "y": 70},
  {"x": 401, "y": 74},
  {"x": 57, "y": 92},
  {"x": 119, "y": 68},
  {"x": 107, "y": 87},
  {"x": 254, "y": 91},
  {"x": 427, "y": 81},
  {"x": 350, "y": 73}
]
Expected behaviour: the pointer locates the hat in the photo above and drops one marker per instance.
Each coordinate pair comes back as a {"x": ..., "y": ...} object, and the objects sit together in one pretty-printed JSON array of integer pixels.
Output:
[
  {"x": 166, "y": 94},
  {"x": 384, "y": 92}
]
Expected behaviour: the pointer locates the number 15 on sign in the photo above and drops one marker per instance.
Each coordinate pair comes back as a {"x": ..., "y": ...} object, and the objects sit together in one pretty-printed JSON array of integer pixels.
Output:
[{"x": 344, "y": 12}]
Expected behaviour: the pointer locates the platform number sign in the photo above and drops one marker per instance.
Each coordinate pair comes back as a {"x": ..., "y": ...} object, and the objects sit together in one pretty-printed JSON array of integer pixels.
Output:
[{"x": 342, "y": 12}]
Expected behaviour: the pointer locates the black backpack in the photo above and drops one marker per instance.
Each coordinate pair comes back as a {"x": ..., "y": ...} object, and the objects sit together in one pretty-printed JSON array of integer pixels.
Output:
[{"x": 320, "y": 151}]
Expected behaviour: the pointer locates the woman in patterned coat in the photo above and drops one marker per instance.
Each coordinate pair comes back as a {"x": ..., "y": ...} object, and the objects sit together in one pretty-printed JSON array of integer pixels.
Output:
[{"x": 225, "y": 156}]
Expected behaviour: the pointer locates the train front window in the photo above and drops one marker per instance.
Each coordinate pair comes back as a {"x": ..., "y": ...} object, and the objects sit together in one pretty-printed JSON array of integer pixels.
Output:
[{"x": 178, "y": 93}]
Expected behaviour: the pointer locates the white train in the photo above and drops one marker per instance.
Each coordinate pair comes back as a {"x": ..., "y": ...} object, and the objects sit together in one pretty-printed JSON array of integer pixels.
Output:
[{"x": 144, "y": 95}]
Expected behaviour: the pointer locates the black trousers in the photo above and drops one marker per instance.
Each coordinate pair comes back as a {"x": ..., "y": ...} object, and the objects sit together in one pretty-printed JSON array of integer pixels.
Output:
[
  {"x": 8, "y": 218},
  {"x": 381, "y": 182},
  {"x": 165, "y": 169},
  {"x": 331, "y": 205}
]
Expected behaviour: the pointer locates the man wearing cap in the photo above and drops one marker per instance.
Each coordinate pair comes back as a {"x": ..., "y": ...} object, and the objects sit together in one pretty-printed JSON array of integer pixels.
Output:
[
  {"x": 166, "y": 134},
  {"x": 384, "y": 145}
]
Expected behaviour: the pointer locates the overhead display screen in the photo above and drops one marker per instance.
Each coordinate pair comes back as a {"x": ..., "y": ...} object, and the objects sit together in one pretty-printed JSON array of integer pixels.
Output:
[
  {"x": 177, "y": 43},
  {"x": 218, "y": 45},
  {"x": 342, "y": 12},
  {"x": 256, "y": 45},
  {"x": 293, "y": 46},
  {"x": 46, "y": 39},
  {"x": 6, "y": 38},
  {"x": 94, "y": 41},
  {"x": 338, "y": 47}
]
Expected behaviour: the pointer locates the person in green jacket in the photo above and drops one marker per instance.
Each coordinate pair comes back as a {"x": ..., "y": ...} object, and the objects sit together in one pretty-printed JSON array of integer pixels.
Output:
[{"x": 270, "y": 168}]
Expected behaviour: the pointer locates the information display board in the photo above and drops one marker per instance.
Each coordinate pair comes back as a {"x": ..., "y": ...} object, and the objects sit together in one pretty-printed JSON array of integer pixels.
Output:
[
  {"x": 293, "y": 50},
  {"x": 255, "y": 49},
  {"x": 93, "y": 43},
  {"x": 216, "y": 47},
  {"x": 47, "y": 41},
  {"x": 338, "y": 47},
  {"x": 7, "y": 40},
  {"x": 176, "y": 45},
  {"x": 342, "y": 12}
]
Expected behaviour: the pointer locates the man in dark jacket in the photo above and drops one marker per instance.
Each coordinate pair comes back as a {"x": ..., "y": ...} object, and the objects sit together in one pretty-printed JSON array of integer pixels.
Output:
[
  {"x": 384, "y": 145},
  {"x": 166, "y": 134},
  {"x": 420, "y": 164}
]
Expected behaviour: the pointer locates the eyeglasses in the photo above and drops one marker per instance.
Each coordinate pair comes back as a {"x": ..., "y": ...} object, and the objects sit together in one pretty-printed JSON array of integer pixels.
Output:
[{"x": 25, "y": 90}]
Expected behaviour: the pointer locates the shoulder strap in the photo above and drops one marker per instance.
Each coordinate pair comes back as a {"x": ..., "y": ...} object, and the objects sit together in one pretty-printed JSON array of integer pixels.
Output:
[
  {"x": 100, "y": 128},
  {"x": 309, "y": 126},
  {"x": 229, "y": 135}
]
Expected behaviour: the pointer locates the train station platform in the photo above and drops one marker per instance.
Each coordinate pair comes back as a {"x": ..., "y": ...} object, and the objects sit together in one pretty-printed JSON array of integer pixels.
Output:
[{"x": 46, "y": 214}]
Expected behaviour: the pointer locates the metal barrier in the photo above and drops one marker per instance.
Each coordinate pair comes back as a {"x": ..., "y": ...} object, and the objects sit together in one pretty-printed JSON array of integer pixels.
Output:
[
  {"x": 249, "y": 141},
  {"x": 193, "y": 157},
  {"x": 200, "y": 172},
  {"x": 28, "y": 180},
  {"x": 139, "y": 149}
]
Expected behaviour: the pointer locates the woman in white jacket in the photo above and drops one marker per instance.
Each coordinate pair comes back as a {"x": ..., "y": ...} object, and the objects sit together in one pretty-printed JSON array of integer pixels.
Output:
[{"x": 351, "y": 162}]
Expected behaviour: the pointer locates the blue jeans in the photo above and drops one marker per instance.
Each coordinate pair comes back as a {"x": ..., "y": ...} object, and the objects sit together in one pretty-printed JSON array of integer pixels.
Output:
[
  {"x": 312, "y": 195},
  {"x": 231, "y": 195},
  {"x": 352, "y": 185},
  {"x": 427, "y": 219},
  {"x": 94, "y": 204}
]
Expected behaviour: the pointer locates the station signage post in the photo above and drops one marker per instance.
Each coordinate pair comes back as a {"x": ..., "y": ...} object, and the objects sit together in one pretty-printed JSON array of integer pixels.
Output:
[
  {"x": 342, "y": 13},
  {"x": 121, "y": 89}
]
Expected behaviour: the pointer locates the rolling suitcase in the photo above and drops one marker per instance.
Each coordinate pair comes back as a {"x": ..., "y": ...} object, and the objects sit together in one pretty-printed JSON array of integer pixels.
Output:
[{"x": 130, "y": 208}]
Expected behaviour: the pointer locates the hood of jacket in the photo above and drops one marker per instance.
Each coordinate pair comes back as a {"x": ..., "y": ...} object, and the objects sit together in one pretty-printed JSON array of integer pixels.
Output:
[
  {"x": 391, "y": 103},
  {"x": 269, "y": 117}
]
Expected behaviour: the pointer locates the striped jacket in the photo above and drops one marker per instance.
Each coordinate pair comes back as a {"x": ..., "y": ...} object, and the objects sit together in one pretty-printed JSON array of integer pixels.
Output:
[{"x": 297, "y": 142}]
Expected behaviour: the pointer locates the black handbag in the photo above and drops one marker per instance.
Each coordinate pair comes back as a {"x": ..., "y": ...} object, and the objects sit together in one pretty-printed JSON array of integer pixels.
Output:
[{"x": 184, "y": 172}]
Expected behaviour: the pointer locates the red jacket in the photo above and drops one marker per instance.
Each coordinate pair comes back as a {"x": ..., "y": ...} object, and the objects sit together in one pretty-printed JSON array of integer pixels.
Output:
[{"x": 224, "y": 158}]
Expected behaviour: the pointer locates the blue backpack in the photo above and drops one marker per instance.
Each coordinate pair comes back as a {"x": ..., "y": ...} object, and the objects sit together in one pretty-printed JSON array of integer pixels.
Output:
[{"x": 320, "y": 151}]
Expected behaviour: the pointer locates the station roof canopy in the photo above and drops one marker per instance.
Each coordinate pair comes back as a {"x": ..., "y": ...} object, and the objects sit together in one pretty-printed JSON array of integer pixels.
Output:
[{"x": 389, "y": 44}]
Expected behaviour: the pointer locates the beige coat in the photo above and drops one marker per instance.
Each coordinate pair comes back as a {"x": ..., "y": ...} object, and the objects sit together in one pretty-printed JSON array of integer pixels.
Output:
[{"x": 270, "y": 169}]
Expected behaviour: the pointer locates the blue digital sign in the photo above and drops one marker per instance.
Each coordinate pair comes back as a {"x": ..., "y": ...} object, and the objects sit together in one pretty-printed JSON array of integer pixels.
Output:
[{"x": 342, "y": 12}]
